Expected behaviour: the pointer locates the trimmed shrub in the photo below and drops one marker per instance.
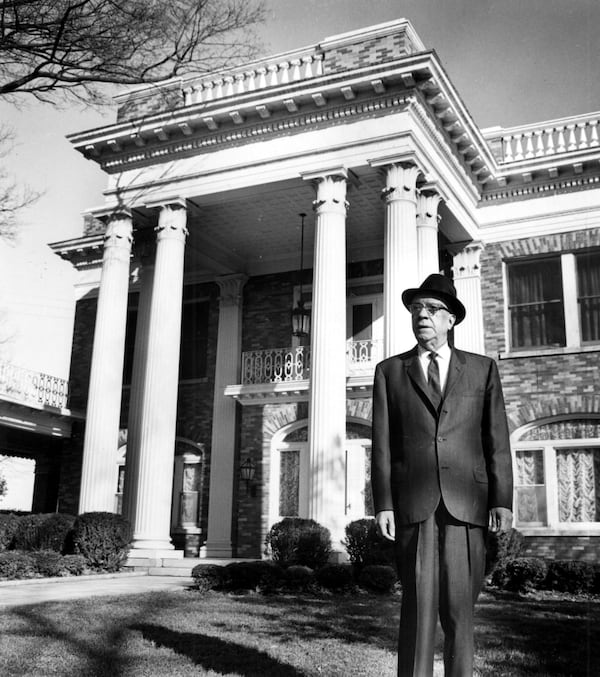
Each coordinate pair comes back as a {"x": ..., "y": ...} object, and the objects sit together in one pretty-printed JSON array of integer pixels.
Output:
[
  {"x": 74, "y": 565},
  {"x": 299, "y": 578},
  {"x": 261, "y": 576},
  {"x": 9, "y": 524},
  {"x": 55, "y": 531},
  {"x": 501, "y": 547},
  {"x": 16, "y": 565},
  {"x": 28, "y": 531},
  {"x": 102, "y": 538},
  {"x": 44, "y": 531},
  {"x": 524, "y": 574},
  {"x": 378, "y": 577},
  {"x": 208, "y": 577},
  {"x": 570, "y": 576},
  {"x": 335, "y": 577},
  {"x": 365, "y": 546},
  {"x": 296, "y": 540},
  {"x": 48, "y": 563}
]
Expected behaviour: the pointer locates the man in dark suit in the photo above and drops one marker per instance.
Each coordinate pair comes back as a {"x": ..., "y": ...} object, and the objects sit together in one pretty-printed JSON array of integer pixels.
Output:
[{"x": 441, "y": 476}]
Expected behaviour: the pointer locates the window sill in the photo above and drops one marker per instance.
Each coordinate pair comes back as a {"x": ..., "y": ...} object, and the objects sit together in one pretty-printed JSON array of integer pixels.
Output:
[
  {"x": 545, "y": 352},
  {"x": 560, "y": 531}
]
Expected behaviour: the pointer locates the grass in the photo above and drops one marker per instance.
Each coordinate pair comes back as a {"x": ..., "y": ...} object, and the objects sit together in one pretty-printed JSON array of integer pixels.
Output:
[{"x": 187, "y": 633}]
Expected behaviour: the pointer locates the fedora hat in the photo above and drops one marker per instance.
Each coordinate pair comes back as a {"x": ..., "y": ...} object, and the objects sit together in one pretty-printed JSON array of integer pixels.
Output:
[{"x": 439, "y": 287}]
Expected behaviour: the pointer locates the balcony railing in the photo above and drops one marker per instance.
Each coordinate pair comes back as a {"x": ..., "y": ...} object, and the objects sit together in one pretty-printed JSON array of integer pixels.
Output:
[
  {"x": 280, "y": 365},
  {"x": 289, "y": 69},
  {"x": 33, "y": 388},
  {"x": 548, "y": 139}
]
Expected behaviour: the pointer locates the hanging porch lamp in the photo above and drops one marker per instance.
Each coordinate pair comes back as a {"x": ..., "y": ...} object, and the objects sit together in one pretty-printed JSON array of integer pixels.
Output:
[{"x": 300, "y": 314}]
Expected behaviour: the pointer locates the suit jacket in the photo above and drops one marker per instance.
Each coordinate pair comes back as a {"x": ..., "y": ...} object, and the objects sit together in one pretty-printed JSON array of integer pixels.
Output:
[{"x": 461, "y": 454}]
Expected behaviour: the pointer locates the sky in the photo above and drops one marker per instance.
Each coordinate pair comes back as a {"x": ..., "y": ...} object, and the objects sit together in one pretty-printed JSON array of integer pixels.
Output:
[{"x": 513, "y": 62}]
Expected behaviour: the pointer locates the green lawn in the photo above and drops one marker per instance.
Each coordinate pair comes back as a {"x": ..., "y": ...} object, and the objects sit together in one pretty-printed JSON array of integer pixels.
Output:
[{"x": 187, "y": 633}]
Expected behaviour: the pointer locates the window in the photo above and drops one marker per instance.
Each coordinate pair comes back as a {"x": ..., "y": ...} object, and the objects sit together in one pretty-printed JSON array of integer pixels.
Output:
[
  {"x": 557, "y": 476},
  {"x": 535, "y": 304},
  {"x": 554, "y": 301},
  {"x": 194, "y": 334},
  {"x": 588, "y": 295}
]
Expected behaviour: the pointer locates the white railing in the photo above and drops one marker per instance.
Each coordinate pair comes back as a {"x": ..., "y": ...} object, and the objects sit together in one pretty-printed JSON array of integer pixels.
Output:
[
  {"x": 300, "y": 66},
  {"x": 281, "y": 365},
  {"x": 277, "y": 365},
  {"x": 362, "y": 356},
  {"x": 32, "y": 387},
  {"x": 548, "y": 139}
]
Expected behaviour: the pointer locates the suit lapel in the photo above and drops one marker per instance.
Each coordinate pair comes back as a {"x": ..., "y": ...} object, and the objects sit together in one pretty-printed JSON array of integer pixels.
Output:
[
  {"x": 415, "y": 374},
  {"x": 455, "y": 369}
]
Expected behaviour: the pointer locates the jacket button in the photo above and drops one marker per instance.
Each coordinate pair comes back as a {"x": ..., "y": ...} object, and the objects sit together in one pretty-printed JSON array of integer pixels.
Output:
[{"x": 440, "y": 439}]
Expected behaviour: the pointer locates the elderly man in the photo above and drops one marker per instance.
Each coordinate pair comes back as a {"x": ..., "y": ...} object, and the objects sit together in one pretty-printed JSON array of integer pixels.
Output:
[{"x": 441, "y": 475}]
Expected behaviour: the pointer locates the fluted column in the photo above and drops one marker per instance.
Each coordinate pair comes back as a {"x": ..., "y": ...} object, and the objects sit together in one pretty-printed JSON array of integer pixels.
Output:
[
  {"x": 327, "y": 405},
  {"x": 466, "y": 270},
  {"x": 153, "y": 443},
  {"x": 146, "y": 249},
  {"x": 427, "y": 234},
  {"x": 400, "y": 263},
  {"x": 98, "y": 473},
  {"x": 222, "y": 453}
]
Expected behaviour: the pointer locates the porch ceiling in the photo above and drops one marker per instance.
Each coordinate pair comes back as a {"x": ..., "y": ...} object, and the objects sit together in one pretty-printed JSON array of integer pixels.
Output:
[{"x": 258, "y": 230}]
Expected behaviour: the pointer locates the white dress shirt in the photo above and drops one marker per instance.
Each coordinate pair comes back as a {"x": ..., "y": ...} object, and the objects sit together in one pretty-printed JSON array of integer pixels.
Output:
[{"x": 443, "y": 360}]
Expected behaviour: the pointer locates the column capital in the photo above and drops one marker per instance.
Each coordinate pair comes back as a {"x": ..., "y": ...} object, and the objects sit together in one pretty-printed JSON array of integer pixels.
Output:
[
  {"x": 230, "y": 288},
  {"x": 331, "y": 187},
  {"x": 467, "y": 259},
  {"x": 400, "y": 180},
  {"x": 172, "y": 219},
  {"x": 427, "y": 207}
]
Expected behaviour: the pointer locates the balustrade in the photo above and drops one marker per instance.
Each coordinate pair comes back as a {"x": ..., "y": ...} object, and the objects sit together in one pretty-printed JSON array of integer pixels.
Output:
[
  {"x": 300, "y": 67},
  {"x": 32, "y": 387},
  {"x": 281, "y": 365},
  {"x": 553, "y": 139}
]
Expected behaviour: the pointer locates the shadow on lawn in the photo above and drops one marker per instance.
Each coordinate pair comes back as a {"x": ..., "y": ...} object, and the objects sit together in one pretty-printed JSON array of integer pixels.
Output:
[
  {"x": 541, "y": 637},
  {"x": 216, "y": 654}
]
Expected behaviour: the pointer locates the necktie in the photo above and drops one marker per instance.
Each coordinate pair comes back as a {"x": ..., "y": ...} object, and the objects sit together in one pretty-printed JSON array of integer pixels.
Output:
[{"x": 433, "y": 380}]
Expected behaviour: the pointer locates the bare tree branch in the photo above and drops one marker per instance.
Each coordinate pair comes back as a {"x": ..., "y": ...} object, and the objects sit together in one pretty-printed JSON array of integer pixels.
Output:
[{"x": 50, "y": 48}]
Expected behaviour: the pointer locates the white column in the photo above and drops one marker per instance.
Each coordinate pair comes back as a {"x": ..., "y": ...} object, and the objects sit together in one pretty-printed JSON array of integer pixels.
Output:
[
  {"x": 468, "y": 335},
  {"x": 223, "y": 444},
  {"x": 327, "y": 404},
  {"x": 98, "y": 474},
  {"x": 140, "y": 359},
  {"x": 400, "y": 263},
  {"x": 153, "y": 442},
  {"x": 427, "y": 234}
]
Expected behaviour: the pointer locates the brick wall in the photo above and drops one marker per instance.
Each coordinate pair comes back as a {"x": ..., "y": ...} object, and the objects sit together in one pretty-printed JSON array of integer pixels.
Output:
[
  {"x": 584, "y": 548},
  {"x": 368, "y": 52},
  {"x": 547, "y": 385}
]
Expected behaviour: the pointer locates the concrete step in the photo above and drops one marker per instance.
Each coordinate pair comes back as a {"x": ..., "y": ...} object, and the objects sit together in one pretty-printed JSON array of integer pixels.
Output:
[{"x": 173, "y": 566}]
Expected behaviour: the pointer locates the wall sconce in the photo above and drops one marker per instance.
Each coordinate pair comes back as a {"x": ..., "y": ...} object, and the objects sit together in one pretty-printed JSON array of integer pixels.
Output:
[{"x": 247, "y": 473}]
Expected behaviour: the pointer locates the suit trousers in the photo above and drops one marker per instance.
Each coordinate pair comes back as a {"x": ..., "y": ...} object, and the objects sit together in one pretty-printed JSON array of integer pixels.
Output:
[{"x": 441, "y": 566}]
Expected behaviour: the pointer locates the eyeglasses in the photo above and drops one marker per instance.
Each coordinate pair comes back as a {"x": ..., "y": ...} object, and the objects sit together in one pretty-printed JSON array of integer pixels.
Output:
[{"x": 416, "y": 308}]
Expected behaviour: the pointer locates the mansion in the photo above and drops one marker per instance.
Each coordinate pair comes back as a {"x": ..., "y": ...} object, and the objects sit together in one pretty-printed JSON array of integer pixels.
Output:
[{"x": 244, "y": 275}]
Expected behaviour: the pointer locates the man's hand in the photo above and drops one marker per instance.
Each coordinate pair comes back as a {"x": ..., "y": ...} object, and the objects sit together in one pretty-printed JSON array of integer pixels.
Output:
[
  {"x": 386, "y": 524},
  {"x": 500, "y": 520}
]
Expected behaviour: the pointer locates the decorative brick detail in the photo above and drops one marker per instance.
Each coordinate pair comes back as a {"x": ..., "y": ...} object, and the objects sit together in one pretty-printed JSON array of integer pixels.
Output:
[
  {"x": 160, "y": 100},
  {"x": 548, "y": 407},
  {"x": 550, "y": 244},
  {"x": 582, "y": 548},
  {"x": 368, "y": 52}
]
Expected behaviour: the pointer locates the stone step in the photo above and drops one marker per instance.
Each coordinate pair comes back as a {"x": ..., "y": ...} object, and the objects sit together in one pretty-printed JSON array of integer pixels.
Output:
[{"x": 173, "y": 566}]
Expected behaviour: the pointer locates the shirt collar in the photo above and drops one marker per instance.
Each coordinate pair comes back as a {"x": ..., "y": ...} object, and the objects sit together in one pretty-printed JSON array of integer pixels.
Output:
[{"x": 443, "y": 351}]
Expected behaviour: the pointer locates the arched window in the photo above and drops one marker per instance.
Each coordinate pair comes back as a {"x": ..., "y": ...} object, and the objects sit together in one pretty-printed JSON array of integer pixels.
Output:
[{"x": 557, "y": 474}]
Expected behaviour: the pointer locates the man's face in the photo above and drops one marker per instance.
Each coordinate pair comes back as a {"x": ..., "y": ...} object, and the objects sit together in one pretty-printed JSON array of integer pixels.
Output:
[{"x": 431, "y": 328}]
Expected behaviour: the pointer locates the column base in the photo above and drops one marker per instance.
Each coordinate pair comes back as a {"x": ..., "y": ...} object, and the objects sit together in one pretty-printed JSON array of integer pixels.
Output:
[
  {"x": 154, "y": 553},
  {"x": 218, "y": 550}
]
